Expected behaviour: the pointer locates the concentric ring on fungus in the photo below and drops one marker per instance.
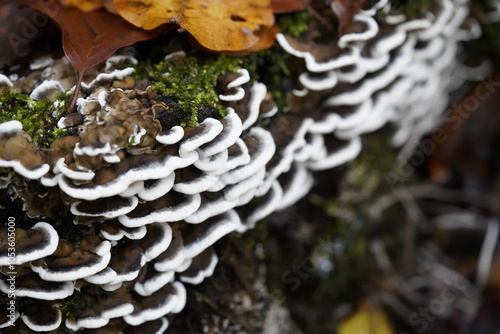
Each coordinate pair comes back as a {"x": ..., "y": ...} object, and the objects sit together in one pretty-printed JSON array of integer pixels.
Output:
[{"x": 150, "y": 198}]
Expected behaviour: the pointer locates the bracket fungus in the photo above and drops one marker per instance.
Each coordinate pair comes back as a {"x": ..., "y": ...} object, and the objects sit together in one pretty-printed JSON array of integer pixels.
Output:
[
  {"x": 149, "y": 187},
  {"x": 30, "y": 245}
]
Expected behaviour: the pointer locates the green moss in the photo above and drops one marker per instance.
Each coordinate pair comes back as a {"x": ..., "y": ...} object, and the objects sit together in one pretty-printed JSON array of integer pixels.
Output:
[
  {"x": 74, "y": 305},
  {"x": 296, "y": 23},
  {"x": 35, "y": 116},
  {"x": 191, "y": 83},
  {"x": 270, "y": 67}
]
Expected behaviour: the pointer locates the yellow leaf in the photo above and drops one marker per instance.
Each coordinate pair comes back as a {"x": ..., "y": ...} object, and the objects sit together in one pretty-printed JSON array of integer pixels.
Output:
[
  {"x": 85, "y": 5},
  {"x": 368, "y": 319},
  {"x": 219, "y": 25}
]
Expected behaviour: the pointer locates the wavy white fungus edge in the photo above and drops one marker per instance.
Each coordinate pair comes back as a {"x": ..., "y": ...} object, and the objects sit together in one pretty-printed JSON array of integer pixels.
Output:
[
  {"x": 197, "y": 185},
  {"x": 49, "y": 246},
  {"x": 150, "y": 253},
  {"x": 108, "y": 214},
  {"x": 154, "y": 283},
  {"x": 211, "y": 128},
  {"x": 48, "y": 85},
  {"x": 201, "y": 274},
  {"x": 211, "y": 209},
  {"x": 262, "y": 155},
  {"x": 154, "y": 250},
  {"x": 169, "y": 303},
  {"x": 118, "y": 311},
  {"x": 171, "y": 263},
  {"x": 164, "y": 215},
  {"x": 301, "y": 184},
  {"x": 60, "y": 167},
  {"x": 369, "y": 33},
  {"x": 212, "y": 163},
  {"x": 32, "y": 174},
  {"x": 159, "y": 188},
  {"x": 69, "y": 275},
  {"x": 225, "y": 224},
  {"x": 65, "y": 289},
  {"x": 235, "y": 161},
  {"x": 171, "y": 136},
  {"x": 257, "y": 94},
  {"x": 93, "y": 322},
  {"x": 4, "y": 80},
  {"x": 157, "y": 169},
  {"x": 107, "y": 77},
  {"x": 232, "y": 129},
  {"x": 43, "y": 328},
  {"x": 104, "y": 276}
]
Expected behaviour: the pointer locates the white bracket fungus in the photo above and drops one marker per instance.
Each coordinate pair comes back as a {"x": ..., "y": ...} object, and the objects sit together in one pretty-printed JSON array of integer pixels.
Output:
[
  {"x": 155, "y": 196},
  {"x": 31, "y": 245}
]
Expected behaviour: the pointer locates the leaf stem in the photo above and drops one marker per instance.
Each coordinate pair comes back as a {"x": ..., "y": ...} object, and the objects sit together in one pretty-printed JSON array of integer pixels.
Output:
[{"x": 78, "y": 85}]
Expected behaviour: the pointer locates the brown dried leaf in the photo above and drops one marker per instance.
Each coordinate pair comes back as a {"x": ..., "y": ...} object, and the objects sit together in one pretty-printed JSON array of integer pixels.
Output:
[
  {"x": 266, "y": 36},
  {"x": 288, "y": 6},
  {"x": 218, "y": 25},
  {"x": 89, "y": 38},
  {"x": 345, "y": 10},
  {"x": 85, "y": 5}
]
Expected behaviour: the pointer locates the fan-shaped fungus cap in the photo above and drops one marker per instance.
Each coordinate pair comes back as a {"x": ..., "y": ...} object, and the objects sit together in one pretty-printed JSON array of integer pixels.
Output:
[
  {"x": 173, "y": 257},
  {"x": 203, "y": 266},
  {"x": 117, "y": 178},
  {"x": 106, "y": 305},
  {"x": 154, "y": 189},
  {"x": 157, "y": 305},
  {"x": 40, "y": 241},
  {"x": 153, "y": 282},
  {"x": 169, "y": 208},
  {"x": 41, "y": 317},
  {"x": 362, "y": 28},
  {"x": 47, "y": 90},
  {"x": 32, "y": 286},
  {"x": 129, "y": 257},
  {"x": 172, "y": 136},
  {"x": 18, "y": 153},
  {"x": 199, "y": 237},
  {"x": 337, "y": 156},
  {"x": 114, "y": 231},
  {"x": 261, "y": 148},
  {"x": 92, "y": 257},
  {"x": 326, "y": 58},
  {"x": 231, "y": 131},
  {"x": 158, "y": 326},
  {"x": 110, "y": 207},
  {"x": 212, "y": 204},
  {"x": 199, "y": 135},
  {"x": 192, "y": 181},
  {"x": 296, "y": 183},
  {"x": 260, "y": 207}
]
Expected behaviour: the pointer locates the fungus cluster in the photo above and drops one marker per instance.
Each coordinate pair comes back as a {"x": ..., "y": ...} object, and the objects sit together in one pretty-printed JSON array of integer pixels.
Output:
[{"x": 150, "y": 198}]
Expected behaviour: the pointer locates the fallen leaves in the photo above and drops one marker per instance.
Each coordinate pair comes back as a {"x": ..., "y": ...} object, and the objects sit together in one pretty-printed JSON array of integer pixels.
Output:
[
  {"x": 89, "y": 38},
  {"x": 368, "y": 319},
  {"x": 217, "y": 25},
  {"x": 287, "y": 6},
  {"x": 345, "y": 10},
  {"x": 94, "y": 29},
  {"x": 85, "y": 5}
]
